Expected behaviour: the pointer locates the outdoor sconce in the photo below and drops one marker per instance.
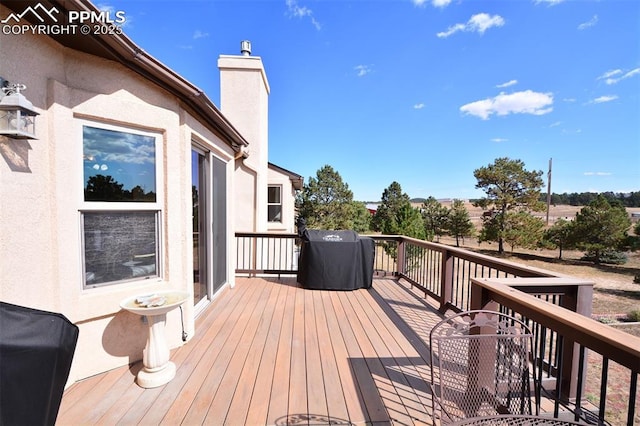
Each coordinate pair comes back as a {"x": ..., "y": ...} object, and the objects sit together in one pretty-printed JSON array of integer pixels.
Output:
[{"x": 17, "y": 116}]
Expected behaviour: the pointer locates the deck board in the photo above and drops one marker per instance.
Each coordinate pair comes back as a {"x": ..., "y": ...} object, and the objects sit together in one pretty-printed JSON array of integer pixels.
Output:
[
  {"x": 270, "y": 352},
  {"x": 192, "y": 373},
  {"x": 279, "y": 398}
]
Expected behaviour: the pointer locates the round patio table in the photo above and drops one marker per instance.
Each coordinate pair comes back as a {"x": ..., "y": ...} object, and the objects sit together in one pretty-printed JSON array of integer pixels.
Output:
[{"x": 514, "y": 420}]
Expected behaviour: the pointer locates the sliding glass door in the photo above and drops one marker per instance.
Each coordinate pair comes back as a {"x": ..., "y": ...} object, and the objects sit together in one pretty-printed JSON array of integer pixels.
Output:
[
  {"x": 199, "y": 189},
  {"x": 219, "y": 210},
  {"x": 209, "y": 224}
]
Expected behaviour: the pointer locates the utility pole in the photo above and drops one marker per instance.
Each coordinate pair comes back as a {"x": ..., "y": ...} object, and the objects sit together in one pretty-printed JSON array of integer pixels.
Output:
[{"x": 549, "y": 190}]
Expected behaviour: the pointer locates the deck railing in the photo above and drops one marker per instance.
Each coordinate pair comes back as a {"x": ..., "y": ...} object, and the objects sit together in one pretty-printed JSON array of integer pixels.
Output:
[{"x": 452, "y": 277}]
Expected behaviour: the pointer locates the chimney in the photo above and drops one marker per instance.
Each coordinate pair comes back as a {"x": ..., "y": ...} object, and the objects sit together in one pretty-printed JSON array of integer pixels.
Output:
[
  {"x": 244, "y": 101},
  {"x": 245, "y": 47}
]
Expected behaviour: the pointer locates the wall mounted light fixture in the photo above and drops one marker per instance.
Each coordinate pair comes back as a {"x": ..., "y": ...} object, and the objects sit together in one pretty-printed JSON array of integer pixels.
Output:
[{"x": 17, "y": 116}]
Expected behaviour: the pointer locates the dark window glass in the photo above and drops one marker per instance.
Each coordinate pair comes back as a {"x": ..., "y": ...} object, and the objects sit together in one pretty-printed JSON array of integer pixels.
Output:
[
  {"x": 274, "y": 201},
  {"x": 274, "y": 194},
  {"x": 119, "y": 246}
]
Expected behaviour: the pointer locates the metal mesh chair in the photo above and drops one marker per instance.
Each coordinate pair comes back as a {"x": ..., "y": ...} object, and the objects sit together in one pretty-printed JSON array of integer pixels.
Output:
[{"x": 481, "y": 365}]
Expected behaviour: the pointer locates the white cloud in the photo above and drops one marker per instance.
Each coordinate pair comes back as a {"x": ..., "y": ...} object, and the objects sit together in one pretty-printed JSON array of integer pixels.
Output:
[
  {"x": 440, "y": 3},
  {"x": 479, "y": 23},
  {"x": 435, "y": 3},
  {"x": 590, "y": 23},
  {"x": 610, "y": 73},
  {"x": 451, "y": 30},
  {"x": 615, "y": 76},
  {"x": 549, "y": 2},
  {"x": 418, "y": 106},
  {"x": 526, "y": 102},
  {"x": 200, "y": 34},
  {"x": 297, "y": 11},
  {"x": 603, "y": 99},
  {"x": 507, "y": 84},
  {"x": 499, "y": 140},
  {"x": 597, "y": 173},
  {"x": 362, "y": 70}
]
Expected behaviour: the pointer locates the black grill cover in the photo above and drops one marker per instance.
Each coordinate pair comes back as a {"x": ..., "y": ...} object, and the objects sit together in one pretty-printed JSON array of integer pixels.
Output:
[
  {"x": 335, "y": 260},
  {"x": 36, "y": 350}
]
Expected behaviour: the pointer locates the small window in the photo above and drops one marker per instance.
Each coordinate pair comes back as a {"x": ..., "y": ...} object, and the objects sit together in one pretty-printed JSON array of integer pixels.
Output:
[
  {"x": 122, "y": 209},
  {"x": 274, "y": 201}
]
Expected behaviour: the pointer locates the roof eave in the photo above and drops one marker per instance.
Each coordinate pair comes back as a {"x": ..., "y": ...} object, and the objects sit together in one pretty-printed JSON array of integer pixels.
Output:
[{"x": 121, "y": 48}]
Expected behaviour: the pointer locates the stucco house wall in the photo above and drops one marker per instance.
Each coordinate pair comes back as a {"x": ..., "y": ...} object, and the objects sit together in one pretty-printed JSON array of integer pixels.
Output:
[
  {"x": 290, "y": 183},
  {"x": 244, "y": 100},
  {"x": 41, "y": 195},
  {"x": 110, "y": 83}
]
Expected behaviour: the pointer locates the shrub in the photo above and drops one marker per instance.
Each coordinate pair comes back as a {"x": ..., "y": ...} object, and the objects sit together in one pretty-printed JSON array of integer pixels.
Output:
[
  {"x": 634, "y": 315},
  {"x": 611, "y": 257}
]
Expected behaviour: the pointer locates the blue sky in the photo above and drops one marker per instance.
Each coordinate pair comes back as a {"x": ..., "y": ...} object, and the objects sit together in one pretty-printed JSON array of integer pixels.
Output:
[{"x": 424, "y": 92}]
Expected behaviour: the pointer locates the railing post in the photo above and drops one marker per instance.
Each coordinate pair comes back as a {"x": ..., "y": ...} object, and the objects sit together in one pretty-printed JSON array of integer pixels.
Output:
[
  {"x": 446, "y": 280},
  {"x": 254, "y": 257},
  {"x": 400, "y": 258},
  {"x": 578, "y": 300}
]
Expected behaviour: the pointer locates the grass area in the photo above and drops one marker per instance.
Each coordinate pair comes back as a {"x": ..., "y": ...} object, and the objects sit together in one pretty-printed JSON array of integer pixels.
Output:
[{"x": 615, "y": 293}]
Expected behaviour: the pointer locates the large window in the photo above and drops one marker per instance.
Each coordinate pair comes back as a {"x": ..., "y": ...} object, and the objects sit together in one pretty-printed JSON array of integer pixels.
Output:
[
  {"x": 274, "y": 209},
  {"x": 121, "y": 212}
]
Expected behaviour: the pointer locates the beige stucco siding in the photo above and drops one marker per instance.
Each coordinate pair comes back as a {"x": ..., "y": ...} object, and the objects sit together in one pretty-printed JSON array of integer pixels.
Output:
[
  {"x": 41, "y": 195},
  {"x": 288, "y": 202}
]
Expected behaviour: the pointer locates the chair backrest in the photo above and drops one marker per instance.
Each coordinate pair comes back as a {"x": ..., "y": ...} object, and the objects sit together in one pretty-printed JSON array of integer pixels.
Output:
[{"x": 481, "y": 365}]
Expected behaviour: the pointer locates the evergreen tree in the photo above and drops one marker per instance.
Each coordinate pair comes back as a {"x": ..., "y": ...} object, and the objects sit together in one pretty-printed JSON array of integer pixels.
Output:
[
  {"x": 326, "y": 202},
  {"x": 509, "y": 187},
  {"x": 558, "y": 235},
  {"x": 600, "y": 227},
  {"x": 459, "y": 224},
  {"x": 396, "y": 216},
  {"x": 522, "y": 229},
  {"x": 435, "y": 217}
]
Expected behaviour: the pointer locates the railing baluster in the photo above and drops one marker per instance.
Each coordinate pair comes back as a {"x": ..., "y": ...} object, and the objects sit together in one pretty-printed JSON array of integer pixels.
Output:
[
  {"x": 633, "y": 389},
  {"x": 603, "y": 388},
  {"x": 556, "y": 405},
  {"x": 581, "y": 363}
]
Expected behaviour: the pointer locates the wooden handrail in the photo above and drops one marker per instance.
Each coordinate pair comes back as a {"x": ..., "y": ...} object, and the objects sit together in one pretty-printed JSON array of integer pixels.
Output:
[{"x": 610, "y": 342}]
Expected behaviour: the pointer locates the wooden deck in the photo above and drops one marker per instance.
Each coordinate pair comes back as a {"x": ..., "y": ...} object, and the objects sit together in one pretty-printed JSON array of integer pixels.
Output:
[{"x": 270, "y": 352}]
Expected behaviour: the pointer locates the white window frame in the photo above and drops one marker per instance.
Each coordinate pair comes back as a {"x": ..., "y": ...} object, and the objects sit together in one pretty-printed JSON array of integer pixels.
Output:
[
  {"x": 124, "y": 207},
  {"x": 269, "y": 204}
]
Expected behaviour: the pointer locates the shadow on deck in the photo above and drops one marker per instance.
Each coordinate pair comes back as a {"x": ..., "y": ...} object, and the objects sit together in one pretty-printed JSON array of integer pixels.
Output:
[{"x": 271, "y": 352}]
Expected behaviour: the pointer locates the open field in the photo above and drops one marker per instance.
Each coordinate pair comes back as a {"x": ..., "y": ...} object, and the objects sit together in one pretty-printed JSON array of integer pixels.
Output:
[{"x": 615, "y": 293}]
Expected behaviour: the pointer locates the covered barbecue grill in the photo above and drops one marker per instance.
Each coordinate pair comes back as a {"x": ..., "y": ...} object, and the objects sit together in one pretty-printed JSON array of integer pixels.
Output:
[
  {"x": 36, "y": 351},
  {"x": 335, "y": 260}
]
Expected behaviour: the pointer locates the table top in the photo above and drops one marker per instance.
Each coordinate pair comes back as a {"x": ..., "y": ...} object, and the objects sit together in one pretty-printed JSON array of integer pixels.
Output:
[{"x": 514, "y": 420}]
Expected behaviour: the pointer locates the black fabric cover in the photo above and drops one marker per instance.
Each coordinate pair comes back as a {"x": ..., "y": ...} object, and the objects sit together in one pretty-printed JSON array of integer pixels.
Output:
[
  {"x": 36, "y": 350},
  {"x": 335, "y": 260}
]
